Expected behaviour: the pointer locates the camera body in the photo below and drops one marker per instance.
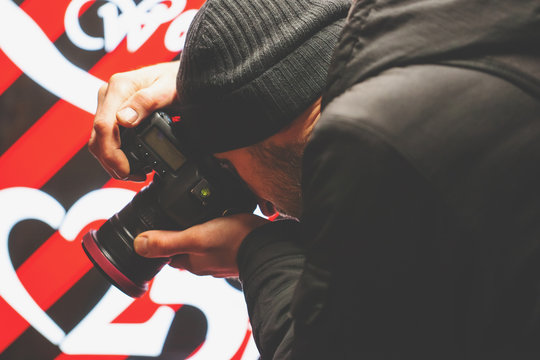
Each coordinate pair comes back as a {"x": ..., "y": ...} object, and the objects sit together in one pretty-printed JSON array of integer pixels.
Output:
[
  {"x": 188, "y": 188},
  {"x": 193, "y": 187}
]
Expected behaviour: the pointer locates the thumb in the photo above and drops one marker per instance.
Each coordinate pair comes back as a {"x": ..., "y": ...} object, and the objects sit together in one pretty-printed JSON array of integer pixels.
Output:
[
  {"x": 160, "y": 243},
  {"x": 143, "y": 102}
]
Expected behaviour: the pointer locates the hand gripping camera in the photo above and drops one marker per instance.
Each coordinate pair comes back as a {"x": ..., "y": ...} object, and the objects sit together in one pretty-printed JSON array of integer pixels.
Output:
[{"x": 188, "y": 188}]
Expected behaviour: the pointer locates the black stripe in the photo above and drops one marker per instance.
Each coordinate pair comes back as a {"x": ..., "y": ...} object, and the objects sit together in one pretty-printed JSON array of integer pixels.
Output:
[
  {"x": 80, "y": 175},
  {"x": 71, "y": 308},
  {"x": 21, "y": 105},
  {"x": 25, "y": 238},
  {"x": 31, "y": 345}
]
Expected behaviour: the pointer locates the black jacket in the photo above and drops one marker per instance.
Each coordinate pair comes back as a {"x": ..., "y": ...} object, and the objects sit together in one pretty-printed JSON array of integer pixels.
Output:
[{"x": 421, "y": 228}]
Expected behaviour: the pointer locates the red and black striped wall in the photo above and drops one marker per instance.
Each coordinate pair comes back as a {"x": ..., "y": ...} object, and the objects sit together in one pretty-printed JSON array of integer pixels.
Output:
[{"x": 43, "y": 146}]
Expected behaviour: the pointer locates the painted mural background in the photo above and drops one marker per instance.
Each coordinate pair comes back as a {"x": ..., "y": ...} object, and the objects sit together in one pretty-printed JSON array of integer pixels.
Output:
[{"x": 54, "y": 56}]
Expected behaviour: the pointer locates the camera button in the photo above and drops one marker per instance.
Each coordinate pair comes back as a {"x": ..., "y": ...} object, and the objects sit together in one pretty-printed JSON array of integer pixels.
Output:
[
  {"x": 202, "y": 191},
  {"x": 134, "y": 155}
]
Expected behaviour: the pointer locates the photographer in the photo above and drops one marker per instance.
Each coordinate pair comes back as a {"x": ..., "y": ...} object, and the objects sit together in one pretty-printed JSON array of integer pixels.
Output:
[{"x": 416, "y": 190}]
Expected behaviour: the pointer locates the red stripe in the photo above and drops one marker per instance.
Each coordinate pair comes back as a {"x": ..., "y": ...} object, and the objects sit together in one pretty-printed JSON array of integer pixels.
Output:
[
  {"x": 12, "y": 325},
  {"x": 50, "y": 18},
  {"x": 49, "y": 144},
  {"x": 194, "y": 4},
  {"x": 242, "y": 349},
  {"x": 51, "y": 21}
]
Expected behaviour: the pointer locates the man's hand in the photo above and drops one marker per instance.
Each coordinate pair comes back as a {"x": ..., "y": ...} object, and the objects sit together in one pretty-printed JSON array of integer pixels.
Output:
[
  {"x": 206, "y": 249},
  {"x": 125, "y": 100}
]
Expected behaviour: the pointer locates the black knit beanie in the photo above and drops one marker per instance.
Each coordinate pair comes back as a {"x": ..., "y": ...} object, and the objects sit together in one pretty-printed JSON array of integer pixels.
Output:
[{"x": 250, "y": 67}]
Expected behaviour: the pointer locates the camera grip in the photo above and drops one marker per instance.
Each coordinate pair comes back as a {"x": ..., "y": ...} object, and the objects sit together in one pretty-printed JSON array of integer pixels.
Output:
[{"x": 137, "y": 166}]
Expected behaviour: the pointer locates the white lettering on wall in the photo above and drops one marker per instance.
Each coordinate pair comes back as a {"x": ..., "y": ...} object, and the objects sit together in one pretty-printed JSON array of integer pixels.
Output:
[{"x": 134, "y": 22}]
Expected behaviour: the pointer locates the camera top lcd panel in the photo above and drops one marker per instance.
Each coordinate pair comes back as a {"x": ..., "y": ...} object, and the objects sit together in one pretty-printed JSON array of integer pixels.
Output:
[{"x": 152, "y": 146}]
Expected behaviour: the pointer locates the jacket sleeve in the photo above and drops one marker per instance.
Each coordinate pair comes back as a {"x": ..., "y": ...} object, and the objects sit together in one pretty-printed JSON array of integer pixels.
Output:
[{"x": 270, "y": 263}]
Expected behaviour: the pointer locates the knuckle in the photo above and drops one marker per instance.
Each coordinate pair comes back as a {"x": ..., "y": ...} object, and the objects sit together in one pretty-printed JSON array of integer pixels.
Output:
[
  {"x": 101, "y": 126},
  {"x": 92, "y": 146},
  {"x": 102, "y": 90},
  {"x": 120, "y": 83},
  {"x": 116, "y": 78},
  {"x": 92, "y": 137}
]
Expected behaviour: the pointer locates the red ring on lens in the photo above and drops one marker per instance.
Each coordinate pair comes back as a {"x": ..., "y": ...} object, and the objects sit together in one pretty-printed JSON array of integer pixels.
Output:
[{"x": 121, "y": 281}]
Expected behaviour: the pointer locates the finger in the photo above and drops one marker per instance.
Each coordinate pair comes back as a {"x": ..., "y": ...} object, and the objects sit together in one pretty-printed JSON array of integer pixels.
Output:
[
  {"x": 92, "y": 142},
  {"x": 105, "y": 146},
  {"x": 104, "y": 143},
  {"x": 126, "y": 99},
  {"x": 157, "y": 89},
  {"x": 141, "y": 104},
  {"x": 93, "y": 147},
  {"x": 199, "y": 239},
  {"x": 159, "y": 243}
]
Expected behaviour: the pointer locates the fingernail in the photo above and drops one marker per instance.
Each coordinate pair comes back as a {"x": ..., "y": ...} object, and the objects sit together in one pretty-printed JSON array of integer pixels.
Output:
[
  {"x": 127, "y": 115},
  {"x": 141, "y": 245}
]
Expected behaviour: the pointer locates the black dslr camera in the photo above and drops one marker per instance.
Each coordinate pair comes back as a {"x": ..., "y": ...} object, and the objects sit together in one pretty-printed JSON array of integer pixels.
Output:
[{"x": 188, "y": 188}]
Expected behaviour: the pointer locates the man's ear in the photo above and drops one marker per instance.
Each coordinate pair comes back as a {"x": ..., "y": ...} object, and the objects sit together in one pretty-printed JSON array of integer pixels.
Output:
[{"x": 267, "y": 208}]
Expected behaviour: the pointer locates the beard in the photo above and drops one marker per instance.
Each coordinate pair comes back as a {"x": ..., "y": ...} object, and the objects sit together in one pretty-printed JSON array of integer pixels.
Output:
[{"x": 283, "y": 169}]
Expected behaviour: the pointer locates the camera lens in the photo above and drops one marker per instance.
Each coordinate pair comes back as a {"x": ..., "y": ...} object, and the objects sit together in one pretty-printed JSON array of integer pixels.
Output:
[{"x": 111, "y": 247}]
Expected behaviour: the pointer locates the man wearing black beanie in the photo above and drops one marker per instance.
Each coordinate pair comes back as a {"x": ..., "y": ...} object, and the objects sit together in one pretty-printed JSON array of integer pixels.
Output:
[{"x": 417, "y": 232}]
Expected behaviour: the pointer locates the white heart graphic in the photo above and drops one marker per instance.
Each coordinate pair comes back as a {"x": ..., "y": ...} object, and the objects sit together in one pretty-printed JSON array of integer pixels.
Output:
[{"x": 45, "y": 208}]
